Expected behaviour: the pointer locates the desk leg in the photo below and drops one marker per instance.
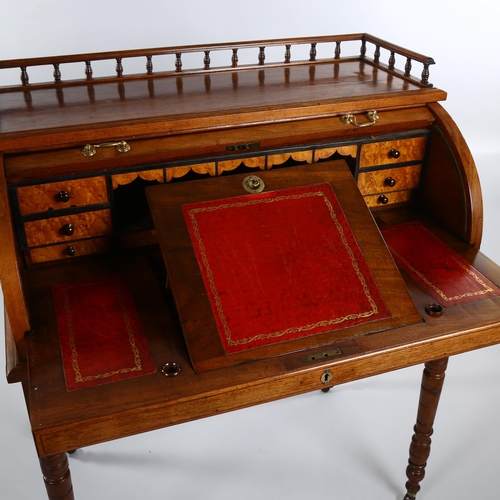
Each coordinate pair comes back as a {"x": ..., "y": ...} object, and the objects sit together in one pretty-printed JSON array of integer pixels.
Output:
[
  {"x": 57, "y": 477},
  {"x": 420, "y": 447}
]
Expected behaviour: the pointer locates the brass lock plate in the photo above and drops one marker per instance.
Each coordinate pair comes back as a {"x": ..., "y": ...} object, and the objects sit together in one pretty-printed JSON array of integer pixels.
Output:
[
  {"x": 253, "y": 184},
  {"x": 317, "y": 356}
]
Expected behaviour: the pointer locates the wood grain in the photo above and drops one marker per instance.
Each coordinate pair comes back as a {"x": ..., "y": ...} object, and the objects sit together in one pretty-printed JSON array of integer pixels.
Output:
[
  {"x": 198, "y": 168},
  {"x": 86, "y": 224},
  {"x": 80, "y": 248},
  {"x": 379, "y": 153},
  {"x": 43, "y": 197},
  {"x": 10, "y": 265},
  {"x": 322, "y": 154},
  {"x": 46, "y": 162},
  {"x": 299, "y": 156},
  {"x": 464, "y": 210},
  {"x": 147, "y": 175},
  {"x": 373, "y": 201},
  {"x": 375, "y": 182},
  {"x": 252, "y": 162}
]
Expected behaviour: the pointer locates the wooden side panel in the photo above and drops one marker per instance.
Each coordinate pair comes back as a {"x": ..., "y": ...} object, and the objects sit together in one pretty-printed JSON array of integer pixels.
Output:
[
  {"x": 43, "y": 197},
  {"x": 15, "y": 369},
  {"x": 442, "y": 193},
  {"x": 452, "y": 192},
  {"x": 15, "y": 306}
]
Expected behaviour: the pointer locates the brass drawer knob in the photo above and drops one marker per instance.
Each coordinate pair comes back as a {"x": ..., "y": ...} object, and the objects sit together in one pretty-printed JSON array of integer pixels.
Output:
[
  {"x": 390, "y": 182},
  {"x": 394, "y": 153},
  {"x": 383, "y": 199},
  {"x": 68, "y": 229},
  {"x": 63, "y": 196}
]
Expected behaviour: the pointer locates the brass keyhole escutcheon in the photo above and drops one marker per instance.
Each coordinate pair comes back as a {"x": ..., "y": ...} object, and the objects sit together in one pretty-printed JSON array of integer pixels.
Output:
[
  {"x": 327, "y": 377},
  {"x": 253, "y": 184}
]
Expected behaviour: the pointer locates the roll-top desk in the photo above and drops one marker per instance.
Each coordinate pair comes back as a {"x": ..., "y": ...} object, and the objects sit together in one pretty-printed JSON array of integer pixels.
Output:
[{"x": 95, "y": 169}]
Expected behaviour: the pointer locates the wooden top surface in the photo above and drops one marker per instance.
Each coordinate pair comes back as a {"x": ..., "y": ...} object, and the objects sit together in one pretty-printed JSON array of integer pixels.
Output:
[
  {"x": 214, "y": 100},
  {"x": 64, "y": 420}
]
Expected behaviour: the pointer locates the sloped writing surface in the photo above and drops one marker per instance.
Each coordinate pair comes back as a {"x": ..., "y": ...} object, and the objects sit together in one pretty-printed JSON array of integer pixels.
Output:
[
  {"x": 191, "y": 290},
  {"x": 281, "y": 265}
]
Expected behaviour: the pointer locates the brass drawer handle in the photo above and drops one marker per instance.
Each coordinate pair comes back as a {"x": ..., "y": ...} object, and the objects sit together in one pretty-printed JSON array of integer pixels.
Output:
[
  {"x": 350, "y": 119},
  {"x": 91, "y": 149}
]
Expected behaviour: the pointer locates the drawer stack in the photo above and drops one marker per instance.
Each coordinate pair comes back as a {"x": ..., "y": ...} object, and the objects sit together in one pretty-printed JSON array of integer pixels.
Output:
[
  {"x": 62, "y": 218},
  {"x": 65, "y": 218},
  {"x": 390, "y": 170}
]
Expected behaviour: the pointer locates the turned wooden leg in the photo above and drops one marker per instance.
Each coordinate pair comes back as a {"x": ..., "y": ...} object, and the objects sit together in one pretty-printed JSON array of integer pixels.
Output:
[
  {"x": 420, "y": 447},
  {"x": 57, "y": 477}
]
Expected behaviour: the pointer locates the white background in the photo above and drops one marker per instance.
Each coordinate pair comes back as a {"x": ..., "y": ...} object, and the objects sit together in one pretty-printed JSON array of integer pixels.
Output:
[{"x": 352, "y": 442}]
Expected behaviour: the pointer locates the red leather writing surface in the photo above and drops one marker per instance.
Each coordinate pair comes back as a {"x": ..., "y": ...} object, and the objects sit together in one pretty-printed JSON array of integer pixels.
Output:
[
  {"x": 444, "y": 274},
  {"x": 100, "y": 334},
  {"x": 281, "y": 265}
]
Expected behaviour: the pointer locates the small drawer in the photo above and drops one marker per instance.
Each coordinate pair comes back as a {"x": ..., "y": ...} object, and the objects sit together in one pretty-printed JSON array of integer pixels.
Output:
[
  {"x": 382, "y": 153},
  {"x": 68, "y": 227},
  {"x": 389, "y": 179},
  {"x": 68, "y": 250},
  {"x": 61, "y": 195},
  {"x": 383, "y": 200}
]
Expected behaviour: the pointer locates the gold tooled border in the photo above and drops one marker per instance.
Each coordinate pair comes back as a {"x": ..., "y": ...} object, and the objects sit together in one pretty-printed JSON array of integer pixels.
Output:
[
  {"x": 486, "y": 288},
  {"x": 72, "y": 340},
  {"x": 210, "y": 278}
]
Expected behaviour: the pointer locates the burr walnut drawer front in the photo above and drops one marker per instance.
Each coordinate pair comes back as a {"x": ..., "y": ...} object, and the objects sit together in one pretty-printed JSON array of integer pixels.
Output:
[
  {"x": 62, "y": 194},
  {"x": 388, "y": 152},
  {"x": 389, "y": 179},
  {"x": 381, "y": 200},
  {"x": 69, "y": 249},
  {"x": 68, "y": 227}
]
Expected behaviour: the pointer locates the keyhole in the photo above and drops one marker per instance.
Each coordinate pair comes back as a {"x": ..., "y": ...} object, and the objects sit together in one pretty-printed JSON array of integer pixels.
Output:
[{"x": 326, "y": 377}]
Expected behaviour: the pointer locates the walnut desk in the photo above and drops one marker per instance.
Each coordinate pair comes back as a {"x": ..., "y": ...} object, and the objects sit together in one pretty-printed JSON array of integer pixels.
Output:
[{"x": 115, "y": 323}]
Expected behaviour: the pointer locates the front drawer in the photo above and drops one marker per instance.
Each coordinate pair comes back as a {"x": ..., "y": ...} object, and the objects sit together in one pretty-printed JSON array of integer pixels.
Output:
[
  {"x": 382, "y": 153},
  {"x": 389, "y": 179},
  {"x": 62, "y": 194},
  {"x": 68, "y": 227},
  {"x": 382, "y": 200},
  {"x": 68, "y": 250}
]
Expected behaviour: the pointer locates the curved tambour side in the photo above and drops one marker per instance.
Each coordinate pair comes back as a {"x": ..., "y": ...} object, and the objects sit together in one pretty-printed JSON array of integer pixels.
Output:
[
  {"x": 451, "y": 191},
  {"x": 16, "y": 313}
]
